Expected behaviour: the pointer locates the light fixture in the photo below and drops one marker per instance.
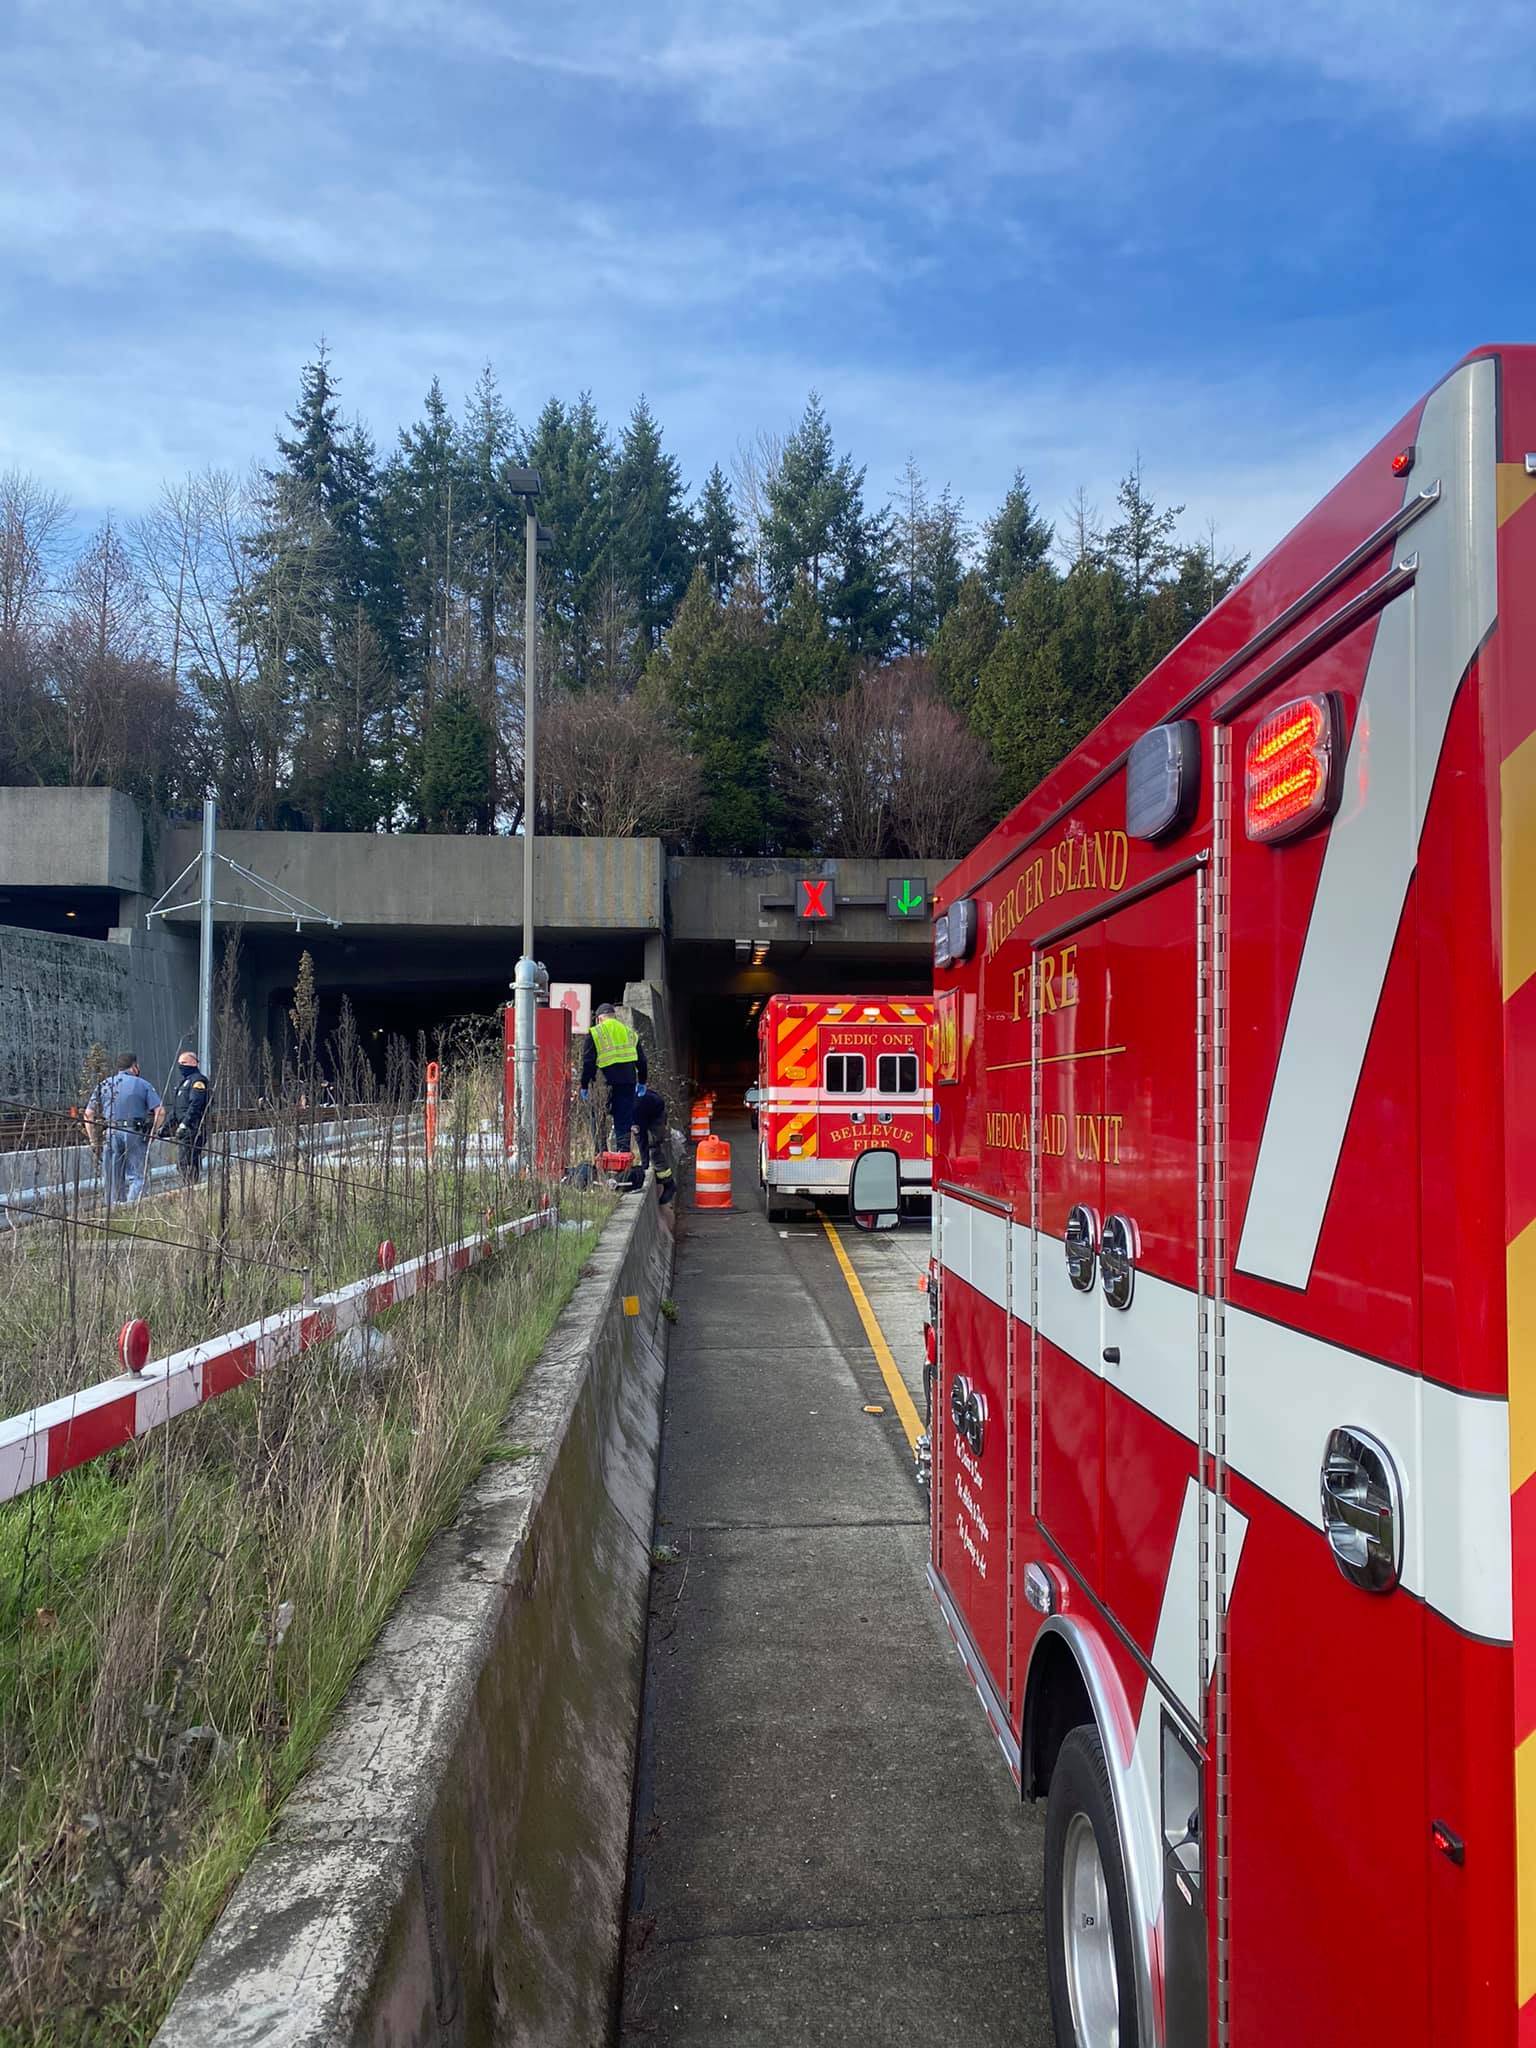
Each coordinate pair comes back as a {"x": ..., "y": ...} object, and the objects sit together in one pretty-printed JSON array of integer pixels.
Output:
[
  {"x": 1292, "y": 770},
  {"x": 1162, "y": 780}
]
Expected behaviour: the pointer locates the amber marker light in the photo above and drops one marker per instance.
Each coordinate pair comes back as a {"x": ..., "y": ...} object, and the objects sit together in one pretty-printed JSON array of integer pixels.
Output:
[{"x": 1288, "y": 772}]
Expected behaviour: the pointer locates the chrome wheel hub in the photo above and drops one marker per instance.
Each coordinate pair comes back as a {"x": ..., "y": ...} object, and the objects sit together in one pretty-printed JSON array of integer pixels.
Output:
[{"x": 1092, "y": 1983}]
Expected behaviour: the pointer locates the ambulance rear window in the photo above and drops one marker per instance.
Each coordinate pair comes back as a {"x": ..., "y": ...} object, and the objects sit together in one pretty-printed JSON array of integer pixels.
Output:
[
  {"x": 845, "y": 1073},
  {"x": 896, "y": 1073}
]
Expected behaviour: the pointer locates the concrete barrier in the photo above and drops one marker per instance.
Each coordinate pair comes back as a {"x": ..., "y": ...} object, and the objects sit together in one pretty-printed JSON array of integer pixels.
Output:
[{"x": 452, "y": 1869}]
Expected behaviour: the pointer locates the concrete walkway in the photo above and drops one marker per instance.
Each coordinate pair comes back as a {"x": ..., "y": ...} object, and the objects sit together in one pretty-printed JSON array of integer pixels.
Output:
[{"x": 828, "y": 1847}]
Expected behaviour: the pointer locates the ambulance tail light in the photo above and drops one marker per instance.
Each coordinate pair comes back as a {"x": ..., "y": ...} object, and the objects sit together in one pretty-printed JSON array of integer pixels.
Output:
[{"x": 1292, "y": 770}]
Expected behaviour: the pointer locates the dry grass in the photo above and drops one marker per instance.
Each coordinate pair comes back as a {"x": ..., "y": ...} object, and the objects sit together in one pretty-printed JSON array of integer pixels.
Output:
[{"x": 178, "y": 1621}]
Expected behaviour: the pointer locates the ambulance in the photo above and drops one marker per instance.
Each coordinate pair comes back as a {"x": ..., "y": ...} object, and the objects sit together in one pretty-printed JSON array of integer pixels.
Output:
[
  {"x": 1234, "y": 1344},
  {"x": 836, "y": 1075}
]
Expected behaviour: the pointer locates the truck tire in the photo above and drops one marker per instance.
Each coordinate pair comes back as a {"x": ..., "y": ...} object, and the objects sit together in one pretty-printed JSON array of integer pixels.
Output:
[{"x": 1090, "y": 1957}]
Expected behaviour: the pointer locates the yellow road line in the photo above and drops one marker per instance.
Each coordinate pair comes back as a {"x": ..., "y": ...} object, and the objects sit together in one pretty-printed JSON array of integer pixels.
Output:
[{"x": 895, "y": 1385}]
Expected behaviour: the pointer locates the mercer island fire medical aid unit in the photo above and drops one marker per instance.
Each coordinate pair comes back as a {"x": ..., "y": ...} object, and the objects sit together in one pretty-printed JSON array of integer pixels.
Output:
[{"x": 1234, "y": 1289}]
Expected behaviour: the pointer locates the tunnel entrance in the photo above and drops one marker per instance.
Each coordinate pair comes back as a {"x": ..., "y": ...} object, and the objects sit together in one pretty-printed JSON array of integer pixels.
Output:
[
  {"x": 413, "y": 990},
  {"x": 717, "y": 996}
]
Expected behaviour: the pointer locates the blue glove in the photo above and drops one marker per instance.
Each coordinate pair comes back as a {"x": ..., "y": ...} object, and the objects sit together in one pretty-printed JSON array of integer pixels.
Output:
[
  {"x": 639, "y": 1090},
  {"x": 584, "y": 1094}
]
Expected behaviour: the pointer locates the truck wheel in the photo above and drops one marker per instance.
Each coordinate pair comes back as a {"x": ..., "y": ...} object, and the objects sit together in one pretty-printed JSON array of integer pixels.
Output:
[{"x": 1090, "y": 1958}]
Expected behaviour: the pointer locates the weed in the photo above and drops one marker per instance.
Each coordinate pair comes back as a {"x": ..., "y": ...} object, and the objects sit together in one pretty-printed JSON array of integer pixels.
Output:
[{"x": 179, "y": 1620}]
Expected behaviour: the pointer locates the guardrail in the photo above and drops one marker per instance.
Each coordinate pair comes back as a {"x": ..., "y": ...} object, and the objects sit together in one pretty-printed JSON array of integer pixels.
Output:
[
  {"x": 43, "y": 1442},
  {"x": 333, "y": 1135}
]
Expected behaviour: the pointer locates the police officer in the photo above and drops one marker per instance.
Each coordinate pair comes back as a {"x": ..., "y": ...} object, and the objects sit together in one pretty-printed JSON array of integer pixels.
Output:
[
  {"x": 615, "y": 1052},
  {"x": 187, "y": 1107},
  {"x": 132, "y": 1112},
  {"x": 655, "y": 1139}
]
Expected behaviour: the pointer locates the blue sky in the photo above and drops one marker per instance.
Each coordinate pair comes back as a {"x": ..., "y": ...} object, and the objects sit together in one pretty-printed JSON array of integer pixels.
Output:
[{"x": 1238, "y": 238}]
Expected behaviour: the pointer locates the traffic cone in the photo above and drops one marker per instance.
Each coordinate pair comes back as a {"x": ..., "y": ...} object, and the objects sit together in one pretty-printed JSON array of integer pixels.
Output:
[{"x": 712, "y": 1175}]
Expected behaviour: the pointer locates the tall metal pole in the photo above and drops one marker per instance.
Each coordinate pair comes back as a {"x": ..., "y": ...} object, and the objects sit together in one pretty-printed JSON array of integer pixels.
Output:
[
  {"x": 205, "y": 937},
  {"x": 530, "y": 679},
  {"x": 525, "y": 987}
]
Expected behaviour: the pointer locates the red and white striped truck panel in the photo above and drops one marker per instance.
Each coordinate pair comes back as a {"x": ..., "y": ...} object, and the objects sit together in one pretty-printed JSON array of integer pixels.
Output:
[
  {"x": 840, "y": 1075},
  {"x": 1287, "y": 1091}
]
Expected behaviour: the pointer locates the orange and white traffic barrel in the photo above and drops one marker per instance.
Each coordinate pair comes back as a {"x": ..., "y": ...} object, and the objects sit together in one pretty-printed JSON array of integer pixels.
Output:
[
  {"x": 712, "y": 1175},
  {"x": 698, "y": 1126}
]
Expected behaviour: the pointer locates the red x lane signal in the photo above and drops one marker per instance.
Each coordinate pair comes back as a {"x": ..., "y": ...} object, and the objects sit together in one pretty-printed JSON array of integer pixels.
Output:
[{"x": 818, "y": 899}]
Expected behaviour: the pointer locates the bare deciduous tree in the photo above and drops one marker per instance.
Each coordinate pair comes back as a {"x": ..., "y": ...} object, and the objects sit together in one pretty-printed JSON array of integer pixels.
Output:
[
  {"x": 117, "y": 703},
  {"x": 33, "y": 521},
  {"x": 611, "y": 764},
  {"x": 753, "y": 467},
  {"x": 885, "y": 768}
]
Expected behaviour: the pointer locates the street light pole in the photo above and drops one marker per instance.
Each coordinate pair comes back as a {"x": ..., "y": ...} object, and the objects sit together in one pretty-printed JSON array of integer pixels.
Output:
[
  {"x": 525, "y": 987},
  {"x": 205, "y": 937}
]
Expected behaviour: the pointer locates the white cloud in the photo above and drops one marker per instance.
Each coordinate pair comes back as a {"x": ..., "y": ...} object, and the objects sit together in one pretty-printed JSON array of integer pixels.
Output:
[{"x": 188, "y": 198}]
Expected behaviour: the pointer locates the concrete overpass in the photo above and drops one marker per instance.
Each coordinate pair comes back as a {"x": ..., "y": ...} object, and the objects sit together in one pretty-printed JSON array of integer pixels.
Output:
[{"x": 429, "y": 923}]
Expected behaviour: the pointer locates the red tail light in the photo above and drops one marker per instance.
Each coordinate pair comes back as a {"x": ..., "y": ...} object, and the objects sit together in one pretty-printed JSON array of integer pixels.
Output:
[{"x": 1290, "y": 778}]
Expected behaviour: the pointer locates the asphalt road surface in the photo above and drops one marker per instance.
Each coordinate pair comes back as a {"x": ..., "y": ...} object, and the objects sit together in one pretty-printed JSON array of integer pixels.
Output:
[{"x": 828, "y": 1846}]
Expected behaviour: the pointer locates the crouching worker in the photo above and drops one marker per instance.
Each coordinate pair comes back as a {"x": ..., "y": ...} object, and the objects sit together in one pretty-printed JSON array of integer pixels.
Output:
[{"x": 655, "y": 1140}]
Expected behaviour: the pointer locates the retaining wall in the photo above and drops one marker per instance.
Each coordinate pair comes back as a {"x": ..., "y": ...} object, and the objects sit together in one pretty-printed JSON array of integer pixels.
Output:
[
  {"x": 58, "y": 996},
  {"x": 453, "y": 1868}
]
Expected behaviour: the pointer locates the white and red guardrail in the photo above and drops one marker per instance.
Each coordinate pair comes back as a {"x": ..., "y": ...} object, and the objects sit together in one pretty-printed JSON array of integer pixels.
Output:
[{"x": 46, "y": 1441}]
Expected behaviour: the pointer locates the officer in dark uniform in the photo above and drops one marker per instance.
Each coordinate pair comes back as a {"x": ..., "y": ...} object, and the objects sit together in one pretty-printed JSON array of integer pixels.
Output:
[
  {"x": 185, "y": 1111},
  {"x": 655, "y": 1139}
]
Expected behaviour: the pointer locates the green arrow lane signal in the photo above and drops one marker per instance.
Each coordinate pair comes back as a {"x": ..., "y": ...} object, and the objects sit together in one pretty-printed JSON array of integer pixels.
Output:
[
  {"x": 906, "y": 902},
  {"x": 906, "y": 896}
]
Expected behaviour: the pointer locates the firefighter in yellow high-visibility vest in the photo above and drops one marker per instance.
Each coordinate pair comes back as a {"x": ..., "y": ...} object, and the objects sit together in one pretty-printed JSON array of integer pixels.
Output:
[{"x": 614, "y": 1051}]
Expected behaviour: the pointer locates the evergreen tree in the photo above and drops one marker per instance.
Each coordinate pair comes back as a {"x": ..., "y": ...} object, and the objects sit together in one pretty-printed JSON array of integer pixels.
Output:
[
  {"x": 717, "y": 534},
  {"x": 964, "y": 641},
  {"x": 815, "y": 526},
  {"x": 456, "y": 766},
  {"x": 861, "y": 604},
  {"x": 650, "y": 526},
  {"x": 713, "y": 674},
  {"x": 315, "y": 577},
  {"x": 1061, "y": 663},
  {"x": 493, "y": 553},
  {"x": 929, "y": 541},
  {"x": 807, "y": 661},
  {"x": 1018, "y": 540},
  {"x": 426, "y": 496},
  {"x": 1143, "y": 545},
  {"x": 571, "y": 451}
]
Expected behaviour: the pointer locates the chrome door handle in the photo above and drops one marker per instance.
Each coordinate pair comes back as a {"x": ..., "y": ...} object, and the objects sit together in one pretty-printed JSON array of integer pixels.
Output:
[{"x": 1362, "y": 1503}]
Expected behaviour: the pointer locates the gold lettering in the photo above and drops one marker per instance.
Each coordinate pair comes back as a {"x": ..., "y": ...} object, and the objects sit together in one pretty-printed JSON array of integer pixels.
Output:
[
  {"x": 1097, "y": 1137},
  {"x": 1068, "y": 977}
]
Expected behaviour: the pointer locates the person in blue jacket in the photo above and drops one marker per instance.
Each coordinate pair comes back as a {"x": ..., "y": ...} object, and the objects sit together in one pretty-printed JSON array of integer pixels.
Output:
[{"x": 130, "y": 1110}]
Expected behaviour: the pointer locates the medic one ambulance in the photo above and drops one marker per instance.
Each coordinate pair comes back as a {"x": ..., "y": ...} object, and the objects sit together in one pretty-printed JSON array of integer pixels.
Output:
[
  {"x": 1234, "y": 1423},
  {"x": 840, "y": 1075}
]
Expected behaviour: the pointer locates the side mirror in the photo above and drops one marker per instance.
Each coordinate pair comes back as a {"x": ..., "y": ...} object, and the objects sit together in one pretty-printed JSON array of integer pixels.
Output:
[{"x": 874, "y": 1190}]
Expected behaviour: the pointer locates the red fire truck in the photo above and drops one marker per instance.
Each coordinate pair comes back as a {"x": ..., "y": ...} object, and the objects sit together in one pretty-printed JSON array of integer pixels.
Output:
[
  {"x": 1234, "y": 1427},
  {"x": 838, "y": 1074}
]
